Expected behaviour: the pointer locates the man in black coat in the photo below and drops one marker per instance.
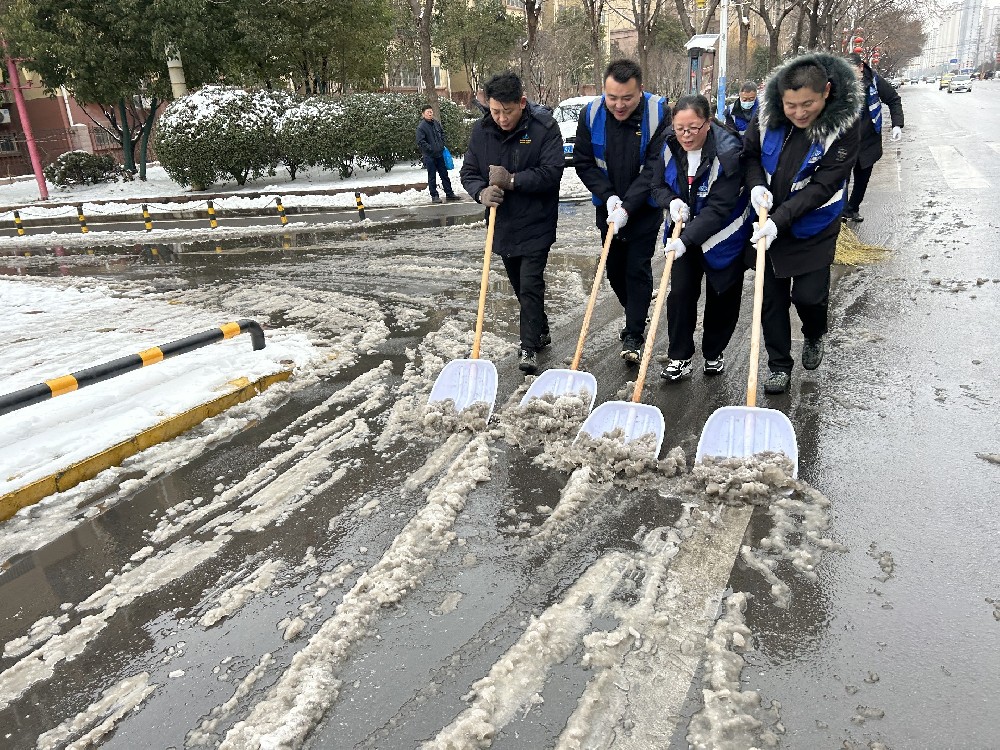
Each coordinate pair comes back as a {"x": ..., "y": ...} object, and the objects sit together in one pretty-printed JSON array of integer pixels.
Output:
[
  {"x": 515, "y": 163},
  {"x": 430, "y": 139},
  {"x": 798, "y": 154},
  {"x": 877, "y": 92},
  {"x": 612, "y": 137}
]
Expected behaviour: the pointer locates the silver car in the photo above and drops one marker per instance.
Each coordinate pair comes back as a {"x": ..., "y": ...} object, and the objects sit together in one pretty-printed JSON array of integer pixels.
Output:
[{"x": 961, "y": 82}]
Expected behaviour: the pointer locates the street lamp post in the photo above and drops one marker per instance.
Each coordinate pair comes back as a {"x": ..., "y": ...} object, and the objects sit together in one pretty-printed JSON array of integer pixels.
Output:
[
  {"x": 723, "y": 45},
  {"x": 22, "y": 113}
]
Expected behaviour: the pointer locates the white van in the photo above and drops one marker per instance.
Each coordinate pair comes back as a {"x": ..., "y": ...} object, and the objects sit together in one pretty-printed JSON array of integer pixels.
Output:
[{"x": 567, "y": 114}]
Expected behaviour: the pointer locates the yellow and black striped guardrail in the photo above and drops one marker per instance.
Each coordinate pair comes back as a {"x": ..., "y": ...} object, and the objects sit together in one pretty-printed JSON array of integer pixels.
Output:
[{"x": 76, "y": 380}]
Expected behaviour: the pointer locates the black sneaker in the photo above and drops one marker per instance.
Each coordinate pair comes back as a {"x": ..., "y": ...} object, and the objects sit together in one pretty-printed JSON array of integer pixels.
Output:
[
  {"x": 812, "y": 353},
  {"x": 715, "y": 366},
  {"x": 851, "y": 214},
  {"x": 452, "y": 197},
  {"x": 528, "y": 363},
  {"x": 777, "y": 382},
  {"x": 676, "y": 369},
  {"x": 435, "y": 199},
  {"x": 544, "y": 340},
  {"x": 631, "y": 349}
]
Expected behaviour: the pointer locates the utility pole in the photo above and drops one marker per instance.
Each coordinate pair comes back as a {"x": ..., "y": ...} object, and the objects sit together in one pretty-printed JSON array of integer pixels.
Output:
[
  {"x": 723, "y": 46},
  {"x": 175, "y": 69},
  {"x": 22, "y": 113}
]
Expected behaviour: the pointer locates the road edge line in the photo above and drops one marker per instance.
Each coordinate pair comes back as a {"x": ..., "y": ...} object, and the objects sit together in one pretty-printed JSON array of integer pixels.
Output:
[{"x": 170, "y": 428}]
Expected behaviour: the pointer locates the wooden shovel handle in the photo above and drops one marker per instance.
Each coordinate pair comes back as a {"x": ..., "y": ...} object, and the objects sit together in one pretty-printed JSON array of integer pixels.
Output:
[
  {"x": 593, "y": 296},
  {"x": 647, "y": 352},
  {"x": 758, "y": 306},
  {"x": 484, "y": 282}
]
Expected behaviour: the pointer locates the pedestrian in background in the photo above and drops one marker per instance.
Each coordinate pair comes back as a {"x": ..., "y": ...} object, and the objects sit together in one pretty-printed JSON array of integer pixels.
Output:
[
  {"x": 698, "y": 178},
  {"x": 430, "y": 139},
  {"x": 798, "y": 154},
  {"x": 514, "y": 163},
  {"x": 740, "y": 112},
  {"x": 877, "y": 92},
  {"x": 608, "y": 155}
]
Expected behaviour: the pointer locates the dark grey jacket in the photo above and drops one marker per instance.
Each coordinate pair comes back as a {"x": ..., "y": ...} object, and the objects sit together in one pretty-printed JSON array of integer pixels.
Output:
[
  {"x": 837, "y": 123},
  {"x": 871, "y": 142},
  {"x": 430, "y": 138},
  {"x": 533, "y": 152}
]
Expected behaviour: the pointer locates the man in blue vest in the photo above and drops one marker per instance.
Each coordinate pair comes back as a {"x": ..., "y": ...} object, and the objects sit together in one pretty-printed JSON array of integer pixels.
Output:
[
  {"x": 740, "y": 112},
  {"x": 798, "y": 153},
  {"x": 612, "y": 138},
  {"x": 877, "y": 92}
]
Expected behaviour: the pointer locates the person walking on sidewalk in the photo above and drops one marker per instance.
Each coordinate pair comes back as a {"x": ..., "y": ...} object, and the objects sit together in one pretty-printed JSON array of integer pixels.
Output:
[
  {"x": 612, "y": 138},
  {"x": 515, "y": 162},
  {"x": 430, "y": 139},
  {"x": 699, "y": 179},
  {"x": 877, "y": 92},
  {"x": 798, "y": 153},
  {"x": 740, "y": 112}
]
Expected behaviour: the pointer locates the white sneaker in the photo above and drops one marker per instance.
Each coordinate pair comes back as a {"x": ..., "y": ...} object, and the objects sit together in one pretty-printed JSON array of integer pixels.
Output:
[
  {"x": 676, "y": 369},
  {"x": 715, "y": 366}
]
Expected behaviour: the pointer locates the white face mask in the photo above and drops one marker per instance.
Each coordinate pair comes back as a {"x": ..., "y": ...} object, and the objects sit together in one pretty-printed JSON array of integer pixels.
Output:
[{"x": 747, "y": 105}]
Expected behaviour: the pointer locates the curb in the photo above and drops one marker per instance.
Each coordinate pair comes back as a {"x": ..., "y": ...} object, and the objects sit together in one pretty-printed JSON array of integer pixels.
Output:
[{"x": 90, "y": 467}]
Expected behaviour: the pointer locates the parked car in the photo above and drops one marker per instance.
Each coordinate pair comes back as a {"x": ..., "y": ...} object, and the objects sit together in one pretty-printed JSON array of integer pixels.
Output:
[
  {"x": 896, "y": 82},
  {"x": 960, "y": 82},
  {"x": 913, "y": 80},
  {"x": 567, "y": 114},
  {"x": 944, "y": 80}
]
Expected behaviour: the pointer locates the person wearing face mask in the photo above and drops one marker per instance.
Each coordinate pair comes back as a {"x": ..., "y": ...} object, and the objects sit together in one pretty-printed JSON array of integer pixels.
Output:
[
  {"x": 612, "y": 139},
  {"x": 740, "y": 112},
  {"x": 514, "y": 163},
  {"x": 698, "y": 178},
  {"x": 798, "y": 153},
  {"x": 877, "y": 92}
]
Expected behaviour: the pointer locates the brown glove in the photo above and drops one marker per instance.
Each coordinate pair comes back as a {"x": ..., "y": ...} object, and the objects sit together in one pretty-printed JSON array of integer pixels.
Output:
[
  {"x": 491, "y": 196},
  {"x": 501, "y": 178}
]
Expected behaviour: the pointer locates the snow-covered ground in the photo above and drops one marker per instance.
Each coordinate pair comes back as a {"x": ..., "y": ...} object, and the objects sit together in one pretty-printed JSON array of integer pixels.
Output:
[{"x": 47, "y": 332}]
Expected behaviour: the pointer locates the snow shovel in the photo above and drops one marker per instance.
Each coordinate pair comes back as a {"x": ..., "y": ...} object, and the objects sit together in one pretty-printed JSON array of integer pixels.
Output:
[
  {"x": 636, "y": 419},
  {"x": 571, "y": 381},
  {"x": 740, "y": 431},
  {"x": 469, "y": 381}
]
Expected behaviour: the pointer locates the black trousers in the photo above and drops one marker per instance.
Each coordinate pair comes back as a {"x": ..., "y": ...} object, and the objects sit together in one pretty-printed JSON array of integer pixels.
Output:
[
  {"x": 527, "y": 276},
  {"x": 435, "y": 166},
  {"x": 861, "y": 177},
  {"x": 630, "y": 274},
  {"x": 810, "y": 293},
  {"x": 722, "y": 311}
]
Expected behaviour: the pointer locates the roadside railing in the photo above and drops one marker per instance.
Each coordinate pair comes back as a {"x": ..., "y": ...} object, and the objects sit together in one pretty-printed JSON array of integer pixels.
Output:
[{"x": 74, "y": 381}]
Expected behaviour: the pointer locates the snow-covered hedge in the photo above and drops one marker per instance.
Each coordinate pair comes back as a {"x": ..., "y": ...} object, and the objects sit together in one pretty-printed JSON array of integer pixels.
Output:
[
  {"x": 219, "y": 133},
  {"x": 82, "y": 168}
]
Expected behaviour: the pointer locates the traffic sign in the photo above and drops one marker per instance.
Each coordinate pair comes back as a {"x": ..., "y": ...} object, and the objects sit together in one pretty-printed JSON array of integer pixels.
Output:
[{"x": 953, "y": 60}]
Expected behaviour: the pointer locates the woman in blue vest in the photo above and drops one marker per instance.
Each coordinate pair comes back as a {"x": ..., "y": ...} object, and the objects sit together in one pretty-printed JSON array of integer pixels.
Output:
[
  {"x": 877, "y": 92},
  {"x": 798, "y": 153},
  {"x": 698, "y": 179}
]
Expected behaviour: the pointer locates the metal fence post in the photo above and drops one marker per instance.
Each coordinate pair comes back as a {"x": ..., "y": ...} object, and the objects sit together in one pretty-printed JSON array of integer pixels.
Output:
[
  {"x": 361, "y": 206},
  {"x": 146, "y": 218},
  {"x": 211, "y": 216},
  {"x": 82, "y": 218},
  {"x": 18, "y": 224},
  {"x": 281, "y": 212}
]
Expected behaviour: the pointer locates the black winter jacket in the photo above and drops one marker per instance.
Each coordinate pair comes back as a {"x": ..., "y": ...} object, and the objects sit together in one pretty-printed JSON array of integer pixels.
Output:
[
  {"x": 871, "y": 142},
  {"x": 430, "y": 138},
  {"x": 626, "y": 177},
  {"x": 533, "y": 152},
  {"x": 790, "y": 255},
  {"x": 722, "y": 198}
]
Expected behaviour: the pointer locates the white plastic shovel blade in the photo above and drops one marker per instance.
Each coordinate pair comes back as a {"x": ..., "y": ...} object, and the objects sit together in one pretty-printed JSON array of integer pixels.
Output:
[
  {"x": 740, "y": 431},
  {"x": 562, "y": 383},
  {"x": 466, "y": 381},
  {"x": 635, "y": 420}
]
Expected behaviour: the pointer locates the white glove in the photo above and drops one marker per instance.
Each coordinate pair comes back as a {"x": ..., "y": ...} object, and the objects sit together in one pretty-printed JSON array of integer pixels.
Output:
[
  {"x": 897, "y": 133},
  {"x": 767, "y": 232},
  {"x": 676, "y": 247},
  {"x": 679, "y": 211},
  {"x": 614, "y": 203},
  {"x": 760, "y": 197},
  {"x": 618, "y": 217}
]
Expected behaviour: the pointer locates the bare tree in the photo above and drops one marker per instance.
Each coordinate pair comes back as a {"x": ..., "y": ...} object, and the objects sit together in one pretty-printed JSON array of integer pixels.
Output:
[
  {"x": 422, "y": 11},
  {"x": 773, "y": 13},
  {"x": 532, "y": 15},
  {"x": 593, "y": 11},
  {"x": 645, "y": 14}
]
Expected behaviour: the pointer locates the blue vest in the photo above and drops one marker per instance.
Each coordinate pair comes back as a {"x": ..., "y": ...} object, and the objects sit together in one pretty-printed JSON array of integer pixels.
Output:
[
  {"x": 653, "y": 111},
  {"x": 874, "y": 105},
  {"x": 772, "y": 140},
  {"x": 741, "y": 116},
  {"x": 723, "y": 247}
]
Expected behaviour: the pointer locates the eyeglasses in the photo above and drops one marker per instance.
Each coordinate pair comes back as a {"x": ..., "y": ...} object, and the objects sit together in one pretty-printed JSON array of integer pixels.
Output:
[{"x": 690, "y": 131}]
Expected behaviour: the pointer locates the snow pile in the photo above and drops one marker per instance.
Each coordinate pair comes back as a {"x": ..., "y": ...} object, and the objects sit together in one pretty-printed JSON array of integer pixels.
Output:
[
  {"x": 202, "y": 736},
  {"x": 234, "y": 598},
  {"x": 441, "y": 418},
  {"x": 738, "y": 481},
  {"x": 730, "y": 718},
  {"x": 545, "y": 419}
]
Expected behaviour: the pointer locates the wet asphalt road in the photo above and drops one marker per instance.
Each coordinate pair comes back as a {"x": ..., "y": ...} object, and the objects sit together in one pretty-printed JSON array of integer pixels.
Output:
[{"x": 892, "y": 644}]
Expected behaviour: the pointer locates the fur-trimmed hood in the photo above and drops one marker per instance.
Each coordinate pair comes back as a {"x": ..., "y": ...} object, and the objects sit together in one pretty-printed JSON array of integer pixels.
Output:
[{"x": 842, "y": 106}]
